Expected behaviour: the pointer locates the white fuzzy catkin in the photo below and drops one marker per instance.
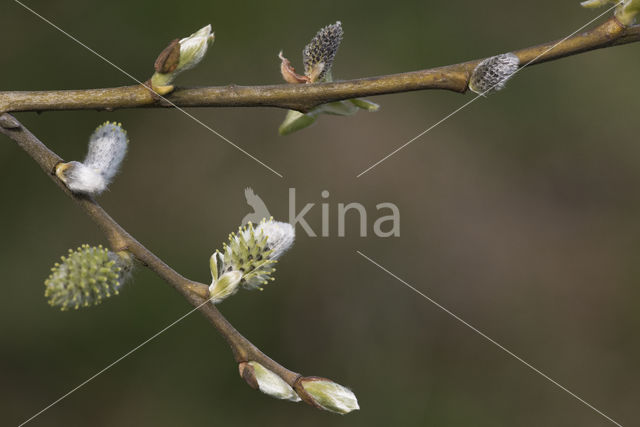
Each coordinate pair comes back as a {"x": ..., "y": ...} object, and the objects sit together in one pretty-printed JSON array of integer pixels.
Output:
[
  {"x": 492, "y": 74},
  {"x": 80, "y": 178},
  {"x": 107, "y": 148},
  {"x": 280, "y": 236}
]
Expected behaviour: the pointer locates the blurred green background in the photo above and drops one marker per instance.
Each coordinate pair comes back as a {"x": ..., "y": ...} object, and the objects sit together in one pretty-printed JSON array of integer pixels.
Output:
[{"x": 520, "y": 214}]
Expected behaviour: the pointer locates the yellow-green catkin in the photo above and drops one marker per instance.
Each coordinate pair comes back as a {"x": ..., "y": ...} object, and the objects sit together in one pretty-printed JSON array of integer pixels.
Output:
[{"x": 86, "y": 277}]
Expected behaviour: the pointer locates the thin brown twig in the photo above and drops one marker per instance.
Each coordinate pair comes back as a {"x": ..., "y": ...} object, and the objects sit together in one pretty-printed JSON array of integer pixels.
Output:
[
  {"x": 304, "y": 97},
  {"x": 119, "y": 239},
  {"x": 301, "y": 97}
]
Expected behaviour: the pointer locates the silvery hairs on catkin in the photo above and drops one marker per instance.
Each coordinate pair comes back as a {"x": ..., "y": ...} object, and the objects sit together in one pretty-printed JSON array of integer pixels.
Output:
[
  {"x": 492, "y": 74},
  {"x": 107, "y": 148}
]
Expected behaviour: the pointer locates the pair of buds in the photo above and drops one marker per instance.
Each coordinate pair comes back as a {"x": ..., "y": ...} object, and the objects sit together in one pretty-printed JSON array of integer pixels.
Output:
[{"x": 319, "y": 392}]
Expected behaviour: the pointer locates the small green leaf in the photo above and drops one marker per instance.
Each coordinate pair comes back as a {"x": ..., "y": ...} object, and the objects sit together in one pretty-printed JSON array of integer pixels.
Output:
[
  {"x": 338, "y": 108},
  {"x": 365, "y": 105},
  {"x": 295, "y": 121}
]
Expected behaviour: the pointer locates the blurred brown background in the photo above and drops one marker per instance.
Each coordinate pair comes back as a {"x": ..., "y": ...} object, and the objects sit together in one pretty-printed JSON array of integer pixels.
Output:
[{"x": 519, "y": 214}]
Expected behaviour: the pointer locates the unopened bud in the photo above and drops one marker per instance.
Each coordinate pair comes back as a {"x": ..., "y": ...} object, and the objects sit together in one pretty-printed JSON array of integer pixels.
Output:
[
  {"x": 8, "y": 122},
  {"x": 169, "y": 58},
  {"x": 179, "y": 56},
  {"x": 626, "y": 13},
  {"x": 330, "y": 396},
  {"x": 268, "y": 382},
  {"x": 492, "y": 74}
]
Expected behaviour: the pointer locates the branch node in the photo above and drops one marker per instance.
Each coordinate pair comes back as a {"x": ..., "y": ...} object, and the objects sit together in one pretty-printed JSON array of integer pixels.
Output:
[{"x": 7, "y": 121}]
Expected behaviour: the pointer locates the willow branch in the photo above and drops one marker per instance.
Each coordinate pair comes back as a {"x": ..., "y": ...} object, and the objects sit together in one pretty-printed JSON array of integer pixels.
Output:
[
  {"x": 304, "y": 97},
  {"x": 119, "y": 239}
]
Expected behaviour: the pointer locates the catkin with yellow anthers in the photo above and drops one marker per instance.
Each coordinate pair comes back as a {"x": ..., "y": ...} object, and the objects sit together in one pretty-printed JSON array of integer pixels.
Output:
[
  {"x": 249, "y": 257},
  {"x": 87, "y": 276},
  {"x": 248, "y": 252}
]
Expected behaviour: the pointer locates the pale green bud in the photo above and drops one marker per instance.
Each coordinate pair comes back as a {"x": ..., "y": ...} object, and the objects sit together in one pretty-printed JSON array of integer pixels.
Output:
[
  {"x": 179, "y": 56},
  {"x": 225, "y": 286},
  {"x": 268, "y": 382},
  {"x": 86, "y": 276},
  {"x": 627, "y": 11},
  {"x": 330, "y": 396}
]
